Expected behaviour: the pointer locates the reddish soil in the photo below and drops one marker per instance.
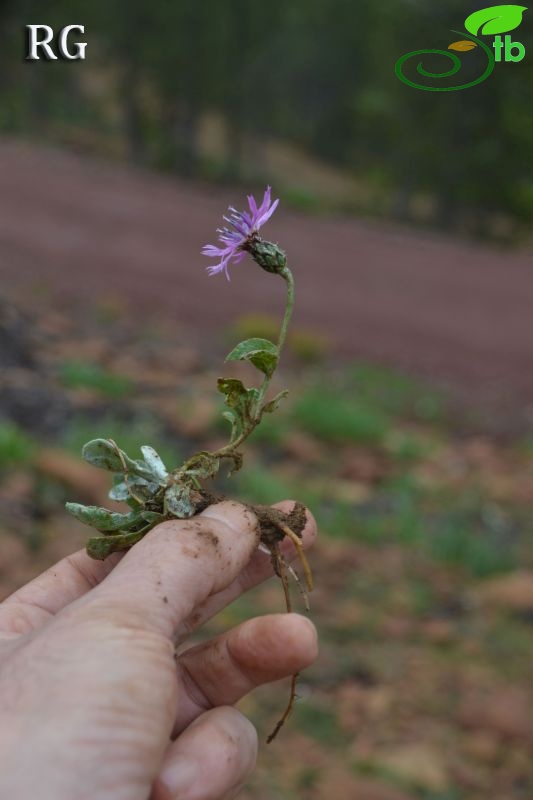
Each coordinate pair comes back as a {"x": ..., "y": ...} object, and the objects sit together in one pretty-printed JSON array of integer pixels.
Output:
[{"x": 458, "y": 312}]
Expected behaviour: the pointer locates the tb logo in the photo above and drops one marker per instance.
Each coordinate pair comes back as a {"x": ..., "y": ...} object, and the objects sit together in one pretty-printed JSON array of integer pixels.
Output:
[
  {"x": 40, "y": 38},
  {"x": 510, "y": 47}
]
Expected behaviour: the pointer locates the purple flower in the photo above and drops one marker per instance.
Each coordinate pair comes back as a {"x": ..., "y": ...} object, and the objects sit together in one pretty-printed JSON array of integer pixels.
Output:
[{"x": 235, "y": 240}]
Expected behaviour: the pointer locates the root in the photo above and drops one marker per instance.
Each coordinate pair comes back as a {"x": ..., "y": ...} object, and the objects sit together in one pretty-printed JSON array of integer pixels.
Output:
[
  {"x": 288, "y": 710},
  {"x": 303, "y": 592},
  {"x": 280, "y": 568},
  {"x": 297, "y": 542},
  {"x": 274, "y": 526}
]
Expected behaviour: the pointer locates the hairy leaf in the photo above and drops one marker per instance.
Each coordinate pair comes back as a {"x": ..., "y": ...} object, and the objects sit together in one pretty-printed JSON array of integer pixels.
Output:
[
  {"x": 119, "y": 492},
  {"x": 155, "y": 463},
  {"x": 273, "y": 404},
  {"x": 102, "y": 519},
  {"x": 262, "y": 353},
  {"x": 234, "y": 390},
  {"x": 153, "y": 517},
  {"x": 103, "y": 454},
  {"x": 202, "y": 465},
  {"x": 178, "y": 501},
  {"x": 237, "y": 462},
  {"x": 236, "y": 426},
  {"x": 100, "y": 547},
  {"x": 238, "y": 398},
  {"x": 134, "y": 491}
]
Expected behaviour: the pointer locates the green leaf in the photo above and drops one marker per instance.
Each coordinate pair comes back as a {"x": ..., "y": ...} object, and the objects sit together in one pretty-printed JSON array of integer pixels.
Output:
[
  {"x": 262, "y": 353},
  {"x": 202, "y": 465},
  {"x": 237, "y": 460},
  {"x": 234, "y": 421},
  {"x": 496, "y": 19},
  {"x": 178, "y": 501},
  {"x": 152, "y": 517},
  {"x": 103, "y": 454},
  {"x": 155, "y": 464},
  {"x": 135, "y": 491},
  {"x": 100, "y": 547},
  {"x": 119, "y": 492},
  {"x": 238, "y": 398},
  {"x": 273, "y": 404},
  {"x": 102, "y": 519},
  {"x": 233, "y": 389}
]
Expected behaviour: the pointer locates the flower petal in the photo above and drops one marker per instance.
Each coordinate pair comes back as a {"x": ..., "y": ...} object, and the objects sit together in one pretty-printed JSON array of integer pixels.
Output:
[
  {"x": 240, "y": 226},
  {"x": 212, "y": 251},
  {"x": 253, "y": 205},
  {"x": 266, "y": 216},
  {"x": 265, "y": 205}
]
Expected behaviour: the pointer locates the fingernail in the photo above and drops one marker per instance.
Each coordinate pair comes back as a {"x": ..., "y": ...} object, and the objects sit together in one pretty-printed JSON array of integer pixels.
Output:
[{"x": 179, "y": 777}]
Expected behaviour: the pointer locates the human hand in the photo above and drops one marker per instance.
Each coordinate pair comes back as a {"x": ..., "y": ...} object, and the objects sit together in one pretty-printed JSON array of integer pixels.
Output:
[{"x": 95, "y": 703}]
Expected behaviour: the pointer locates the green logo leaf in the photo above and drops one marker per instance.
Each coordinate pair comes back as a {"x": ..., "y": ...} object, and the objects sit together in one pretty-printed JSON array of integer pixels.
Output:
[{"x": 496, "y": 19}]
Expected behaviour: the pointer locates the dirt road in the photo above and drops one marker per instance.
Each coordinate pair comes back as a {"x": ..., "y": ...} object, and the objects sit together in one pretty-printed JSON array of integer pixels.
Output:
[{"x": 458, "y": 312}]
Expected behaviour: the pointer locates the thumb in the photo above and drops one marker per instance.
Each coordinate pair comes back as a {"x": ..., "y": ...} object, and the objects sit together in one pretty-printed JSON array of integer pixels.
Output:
[{"x": 175, "y": 567}]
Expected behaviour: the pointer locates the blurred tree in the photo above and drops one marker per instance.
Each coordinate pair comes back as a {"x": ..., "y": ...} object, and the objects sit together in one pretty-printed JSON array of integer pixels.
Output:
[{"x": 317, "y": 73}]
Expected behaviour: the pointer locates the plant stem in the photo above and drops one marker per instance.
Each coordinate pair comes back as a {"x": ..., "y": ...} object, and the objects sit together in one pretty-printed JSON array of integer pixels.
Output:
[{"x": 287, "y": 276}]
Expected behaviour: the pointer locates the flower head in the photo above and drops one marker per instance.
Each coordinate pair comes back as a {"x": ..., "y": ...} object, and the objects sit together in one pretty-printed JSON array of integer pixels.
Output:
[{"x": 237, "y": 239}]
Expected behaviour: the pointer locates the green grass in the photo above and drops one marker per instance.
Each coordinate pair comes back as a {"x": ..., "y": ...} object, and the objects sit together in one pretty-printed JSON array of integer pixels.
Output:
[
  {"x": 395, "y": 393},
  {"x": 259, "y": 485},
  {"x": 422, "y": 597},
  {"x": 450, "y": 529},
  {"x": 460, "y": 541},
  {"x": 389, "y": 777},
  {"x": 320, "y": 723},
  {"x": 454, "y": 530},
  {"x": 85, "y": 375},
  {"x": 308, "y": 777},
  {"x": 336, "y": 417},
  {"x": 272, "y": 429},
  {"x": 16, "y": 447},
  {"x": 407, "y": 447}
]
